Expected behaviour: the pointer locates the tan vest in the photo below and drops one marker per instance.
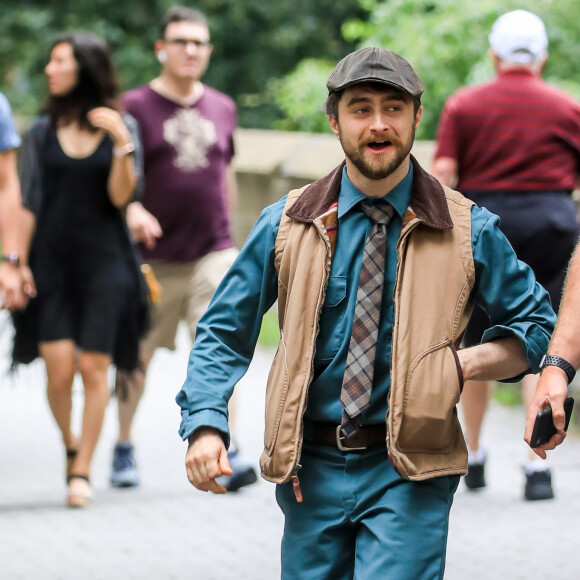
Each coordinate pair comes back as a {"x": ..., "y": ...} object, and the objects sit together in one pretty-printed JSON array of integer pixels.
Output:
[{"x": 435, "y": 276}]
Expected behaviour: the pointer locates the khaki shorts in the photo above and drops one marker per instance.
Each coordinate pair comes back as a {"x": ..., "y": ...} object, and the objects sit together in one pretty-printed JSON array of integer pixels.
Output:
[{"x": 186, "y": 293}]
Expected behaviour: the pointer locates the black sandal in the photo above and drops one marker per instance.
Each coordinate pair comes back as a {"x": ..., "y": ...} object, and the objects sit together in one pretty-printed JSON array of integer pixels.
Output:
[
  {"x": 78, "y": 476},
  {"x": 71, "y": 455}
]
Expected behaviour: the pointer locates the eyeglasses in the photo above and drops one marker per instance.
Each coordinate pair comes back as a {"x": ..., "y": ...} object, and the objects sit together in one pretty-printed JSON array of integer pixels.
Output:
[{"x": 184, "y": 42}]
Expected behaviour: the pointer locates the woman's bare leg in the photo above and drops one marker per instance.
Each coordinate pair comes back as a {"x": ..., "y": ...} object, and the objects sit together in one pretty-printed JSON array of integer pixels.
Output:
[
  {"x": 59, "y": 357},
  {"x": 93, "y": 369}
]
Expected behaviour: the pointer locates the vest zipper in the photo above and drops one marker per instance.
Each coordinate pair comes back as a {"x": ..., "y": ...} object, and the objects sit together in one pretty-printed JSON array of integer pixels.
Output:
[{"x": 298, "y": 467}]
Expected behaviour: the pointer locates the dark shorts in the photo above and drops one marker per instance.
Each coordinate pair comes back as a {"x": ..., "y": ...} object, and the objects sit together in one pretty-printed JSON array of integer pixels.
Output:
[{"x": 543, "y": 230}]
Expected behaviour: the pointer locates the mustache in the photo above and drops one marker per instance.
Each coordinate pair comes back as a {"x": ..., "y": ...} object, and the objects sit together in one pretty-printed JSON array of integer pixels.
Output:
[{"x": 387, "y": 137}]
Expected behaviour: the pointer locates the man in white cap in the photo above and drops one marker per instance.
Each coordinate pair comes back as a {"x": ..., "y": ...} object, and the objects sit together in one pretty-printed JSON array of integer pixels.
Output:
[{"x": 512, "y": 145}]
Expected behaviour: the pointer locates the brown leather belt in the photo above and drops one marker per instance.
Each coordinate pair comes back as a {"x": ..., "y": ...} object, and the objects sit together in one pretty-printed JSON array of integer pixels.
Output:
[{"x": 329, "y": 434}]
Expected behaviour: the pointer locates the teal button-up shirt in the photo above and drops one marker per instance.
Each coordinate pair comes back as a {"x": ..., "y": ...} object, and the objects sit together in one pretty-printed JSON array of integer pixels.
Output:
[
  {"x": 338, "y": 312},
  {"x": 227, "y": 333}
]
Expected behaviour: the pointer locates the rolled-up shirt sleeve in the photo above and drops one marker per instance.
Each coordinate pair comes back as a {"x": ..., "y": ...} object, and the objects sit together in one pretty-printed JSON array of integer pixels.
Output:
[
  {"x": 508, "y": 292},
  {"x": 227, "y": 333}
]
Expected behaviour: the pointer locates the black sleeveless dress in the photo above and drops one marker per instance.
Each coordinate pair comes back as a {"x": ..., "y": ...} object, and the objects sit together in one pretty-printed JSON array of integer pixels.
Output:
[{"x": 85, "y": 279}]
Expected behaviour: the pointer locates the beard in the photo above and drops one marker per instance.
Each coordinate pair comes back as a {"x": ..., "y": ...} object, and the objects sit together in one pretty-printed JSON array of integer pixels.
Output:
[{"x": 378, "y": 166}]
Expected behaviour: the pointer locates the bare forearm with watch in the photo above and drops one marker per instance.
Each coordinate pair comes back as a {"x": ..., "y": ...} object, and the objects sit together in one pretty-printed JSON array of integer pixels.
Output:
[
  {"x": 11, "y": 294},
  {"x": 561, "y": 362},
  {"x": 122, "y": 178}
]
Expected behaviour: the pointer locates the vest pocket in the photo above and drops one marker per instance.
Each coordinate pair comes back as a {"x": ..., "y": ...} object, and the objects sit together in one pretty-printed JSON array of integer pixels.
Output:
[
  {"x": 276, "y": 396},
  {"x": 429, "y": 422}
]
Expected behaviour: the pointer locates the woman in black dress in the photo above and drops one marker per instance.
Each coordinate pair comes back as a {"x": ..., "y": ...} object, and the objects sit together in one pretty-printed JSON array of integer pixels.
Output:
[{"x": 79, "y": 170}]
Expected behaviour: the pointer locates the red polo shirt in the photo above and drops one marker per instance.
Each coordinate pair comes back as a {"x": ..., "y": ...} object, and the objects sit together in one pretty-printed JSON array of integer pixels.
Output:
[{"x": 516, "y": 133}]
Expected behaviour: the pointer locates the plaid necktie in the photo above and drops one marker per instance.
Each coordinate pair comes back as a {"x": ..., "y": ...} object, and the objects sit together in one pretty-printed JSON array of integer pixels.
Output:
[{"x": 360, "y": 363}]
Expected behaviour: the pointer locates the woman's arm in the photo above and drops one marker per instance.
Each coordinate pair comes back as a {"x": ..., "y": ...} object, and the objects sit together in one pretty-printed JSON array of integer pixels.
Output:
[
  {"x": 123, "y": 177},
  {"x": 28, "y": 225}
]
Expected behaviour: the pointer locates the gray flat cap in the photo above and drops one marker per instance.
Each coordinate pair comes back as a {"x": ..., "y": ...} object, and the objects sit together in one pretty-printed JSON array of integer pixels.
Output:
[{"x": 377, "y": 65}]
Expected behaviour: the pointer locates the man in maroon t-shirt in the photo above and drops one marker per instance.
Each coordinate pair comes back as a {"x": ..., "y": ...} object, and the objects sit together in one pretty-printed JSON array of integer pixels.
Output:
[
  {"x": 183, "y": 220},
  {"x": 513, "y": 146}
]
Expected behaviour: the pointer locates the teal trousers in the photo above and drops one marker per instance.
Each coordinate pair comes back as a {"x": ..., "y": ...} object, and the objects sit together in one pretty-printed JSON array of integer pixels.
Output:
[{"x": 360, "y": 520}]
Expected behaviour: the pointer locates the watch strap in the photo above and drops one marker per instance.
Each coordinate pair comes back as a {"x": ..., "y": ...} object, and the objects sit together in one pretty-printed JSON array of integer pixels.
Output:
[
  {"x": 12, "y": 258},
  {"x": 558, "y": 361},
  {"x": 123, "y": 150}
]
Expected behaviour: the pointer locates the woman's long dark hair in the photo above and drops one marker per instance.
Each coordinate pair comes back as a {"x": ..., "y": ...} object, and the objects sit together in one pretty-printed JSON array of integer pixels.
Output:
[{"x": 96, "y": 86}]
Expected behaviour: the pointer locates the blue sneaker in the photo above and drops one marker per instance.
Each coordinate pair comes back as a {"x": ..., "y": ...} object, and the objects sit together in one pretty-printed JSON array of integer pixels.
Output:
[
  {"x": 124, "y": 473},
  {"x": 244, "y": 474}
]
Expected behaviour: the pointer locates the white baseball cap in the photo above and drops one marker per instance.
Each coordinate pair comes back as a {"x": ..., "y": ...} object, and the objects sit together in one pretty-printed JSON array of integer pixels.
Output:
[{"x": 518, "y": 36}]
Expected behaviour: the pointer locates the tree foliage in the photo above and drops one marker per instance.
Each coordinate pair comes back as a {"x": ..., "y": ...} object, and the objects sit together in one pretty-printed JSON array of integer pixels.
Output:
[
  {"x": 447, "y": 43},
  {"x": 273, "y": 58},
  {"x": 300, "y": 96},
  {"x": 255, "y": 42}
]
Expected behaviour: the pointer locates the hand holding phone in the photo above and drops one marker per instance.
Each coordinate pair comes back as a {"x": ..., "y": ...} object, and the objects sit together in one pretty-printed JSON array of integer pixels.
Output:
[{"x": 544, "y": 426}]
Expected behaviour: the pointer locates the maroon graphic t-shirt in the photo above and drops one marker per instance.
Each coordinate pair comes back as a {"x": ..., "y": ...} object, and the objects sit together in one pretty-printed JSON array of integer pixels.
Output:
[{"x": 186, "y": 153}]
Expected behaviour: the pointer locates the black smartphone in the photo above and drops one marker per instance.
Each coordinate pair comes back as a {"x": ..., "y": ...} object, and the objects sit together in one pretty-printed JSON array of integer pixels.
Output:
[{"x": 544, "y": 425}]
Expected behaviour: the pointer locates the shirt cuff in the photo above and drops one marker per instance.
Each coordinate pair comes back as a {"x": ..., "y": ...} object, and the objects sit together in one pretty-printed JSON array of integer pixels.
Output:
[{"x": 205, "y": 418}]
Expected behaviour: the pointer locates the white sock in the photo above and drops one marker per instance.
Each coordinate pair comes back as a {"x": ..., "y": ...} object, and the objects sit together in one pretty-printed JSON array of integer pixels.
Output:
[
  {"x": 534, "y": 465},
  {"x": 475, "y": 457}
]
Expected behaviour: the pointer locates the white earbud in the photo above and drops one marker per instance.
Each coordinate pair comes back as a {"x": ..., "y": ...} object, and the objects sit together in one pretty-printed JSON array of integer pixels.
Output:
[{"x": 161, "y": 56}]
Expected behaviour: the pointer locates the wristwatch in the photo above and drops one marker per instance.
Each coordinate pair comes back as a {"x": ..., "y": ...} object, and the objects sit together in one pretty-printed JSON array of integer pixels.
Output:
[
  {"x": 12, "y": 258},
  {"x": 558, "y": 361}
]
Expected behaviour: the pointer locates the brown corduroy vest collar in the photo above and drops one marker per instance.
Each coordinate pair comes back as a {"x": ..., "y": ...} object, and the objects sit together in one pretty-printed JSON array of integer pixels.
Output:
[{"x": 427, "y": 198}]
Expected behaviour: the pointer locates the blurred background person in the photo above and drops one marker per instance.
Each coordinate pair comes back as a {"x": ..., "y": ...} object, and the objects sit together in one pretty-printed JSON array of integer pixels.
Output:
[
  {"x": 11, "y": 282},
  {"x": 513, "y": 146},
  {"x": 78, "y": 171},
  {"x": 184, "y": 218}
]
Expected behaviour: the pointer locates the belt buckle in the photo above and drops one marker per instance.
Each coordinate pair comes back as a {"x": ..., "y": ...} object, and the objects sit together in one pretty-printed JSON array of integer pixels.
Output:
[{"x": 341, "y": 447}]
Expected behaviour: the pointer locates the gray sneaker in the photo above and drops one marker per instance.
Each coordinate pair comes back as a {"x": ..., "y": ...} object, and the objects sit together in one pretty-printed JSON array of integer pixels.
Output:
[
  {"x": 244, "y": 474},
  {"x": 124, "y": 473},
  {"x": 539, "y": 485},
  {"x": 475, "y": 476}
]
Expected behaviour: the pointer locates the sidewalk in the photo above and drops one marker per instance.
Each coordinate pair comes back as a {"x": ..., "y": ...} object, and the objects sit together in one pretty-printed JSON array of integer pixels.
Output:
[{"x": 167, "y": 530}]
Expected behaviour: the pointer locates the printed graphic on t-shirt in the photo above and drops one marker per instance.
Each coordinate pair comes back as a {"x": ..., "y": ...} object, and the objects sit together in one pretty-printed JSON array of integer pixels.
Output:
[{"x": 191, "y": 136}]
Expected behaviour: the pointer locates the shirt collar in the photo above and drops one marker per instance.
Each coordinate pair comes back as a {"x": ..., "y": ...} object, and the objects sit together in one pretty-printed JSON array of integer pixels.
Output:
[
  {"x": 517, "y": 72},
  {"x": 399, "y": 197}
]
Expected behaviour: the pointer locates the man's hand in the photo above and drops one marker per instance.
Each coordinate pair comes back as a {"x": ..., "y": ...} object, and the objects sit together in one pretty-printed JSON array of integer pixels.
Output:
[
  {"x": 143, "y": 225},
  {"x": 552, "y": 390},
  {"x": 206, "y": 459}
]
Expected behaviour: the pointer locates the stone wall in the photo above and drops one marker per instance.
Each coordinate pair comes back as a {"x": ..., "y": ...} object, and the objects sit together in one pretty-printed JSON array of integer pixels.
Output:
[{"x": 268, "y": 164}]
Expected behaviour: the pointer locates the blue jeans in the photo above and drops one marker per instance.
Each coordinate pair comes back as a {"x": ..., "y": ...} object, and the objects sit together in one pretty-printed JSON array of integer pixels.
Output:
[{"x": 360, "y": 520}]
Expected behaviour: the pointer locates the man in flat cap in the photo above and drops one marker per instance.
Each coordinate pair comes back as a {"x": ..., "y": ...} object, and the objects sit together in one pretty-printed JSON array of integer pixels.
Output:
[
  {"x": 512, "y": 145},
  {"x": 376, "y": 268}
]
